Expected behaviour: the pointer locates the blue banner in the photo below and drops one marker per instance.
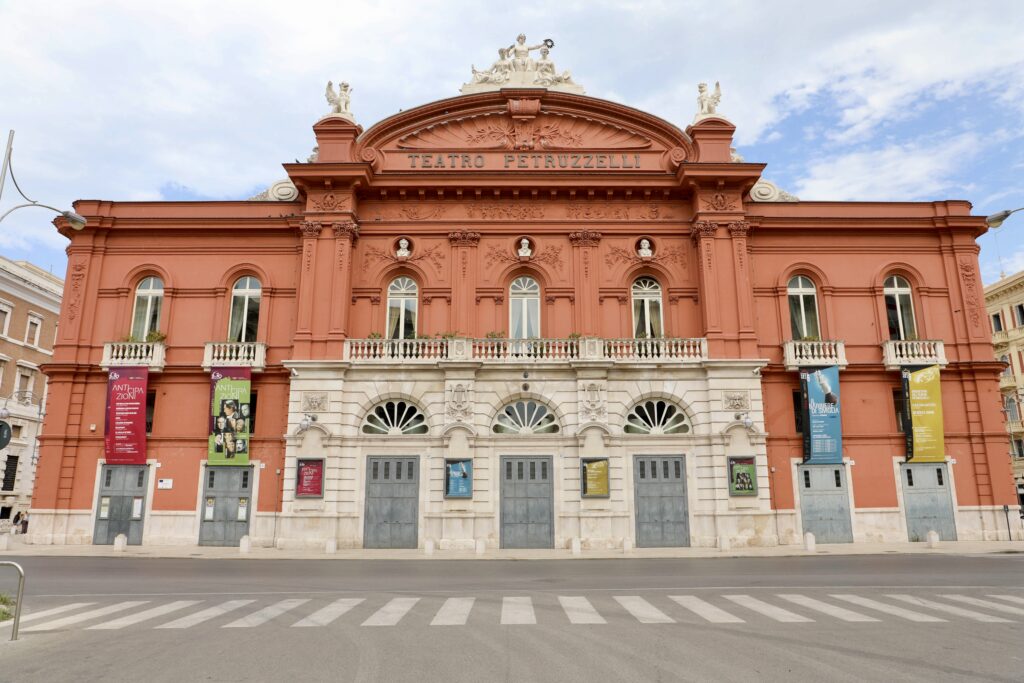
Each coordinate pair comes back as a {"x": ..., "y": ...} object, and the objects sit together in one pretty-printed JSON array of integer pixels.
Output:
[
  {"x": 824, "y": 428},
  {"x": 459, "y": 479}
]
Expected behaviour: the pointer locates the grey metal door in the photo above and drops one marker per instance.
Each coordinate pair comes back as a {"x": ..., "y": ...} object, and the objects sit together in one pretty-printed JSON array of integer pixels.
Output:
[
  {"x": 527, "y": 502},
  {"x": 392, "y": 502},
  {"x": 122, "y": 503},
  {"x": 927, "y": 500},
  {"x": 825, "y": 502},
  {"x": 226, "y": 505},
  {"x": 661, "y": 515}
]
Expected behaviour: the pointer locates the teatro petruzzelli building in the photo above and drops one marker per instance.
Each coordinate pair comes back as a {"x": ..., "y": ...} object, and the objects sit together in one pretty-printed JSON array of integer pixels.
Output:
[{"x": 522, "y": 317}]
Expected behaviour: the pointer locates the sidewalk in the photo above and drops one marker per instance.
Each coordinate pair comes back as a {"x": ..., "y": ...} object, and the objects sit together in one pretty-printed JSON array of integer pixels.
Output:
[{"x": 19, "y": 548}]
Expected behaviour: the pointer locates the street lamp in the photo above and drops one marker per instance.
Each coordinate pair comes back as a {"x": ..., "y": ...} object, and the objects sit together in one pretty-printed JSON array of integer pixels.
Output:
[
  {"x": 996, "y": 219},
  {"x": 75, "y": 220}
]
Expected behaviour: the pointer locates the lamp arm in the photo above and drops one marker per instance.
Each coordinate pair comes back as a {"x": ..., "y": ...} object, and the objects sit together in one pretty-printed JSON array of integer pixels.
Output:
[{"x": 22, "y": 206}]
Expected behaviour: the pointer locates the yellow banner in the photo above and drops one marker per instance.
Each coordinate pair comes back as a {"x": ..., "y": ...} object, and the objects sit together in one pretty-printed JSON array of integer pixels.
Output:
[{"x": 925, "y": 395}]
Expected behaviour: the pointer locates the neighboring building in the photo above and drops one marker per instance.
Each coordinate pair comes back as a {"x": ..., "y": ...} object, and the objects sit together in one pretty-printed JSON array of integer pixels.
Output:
[
  {"x": 519, "y": 317},
  {"x": 29, "y": 309},
  {"x": 1004, "y": 301}
]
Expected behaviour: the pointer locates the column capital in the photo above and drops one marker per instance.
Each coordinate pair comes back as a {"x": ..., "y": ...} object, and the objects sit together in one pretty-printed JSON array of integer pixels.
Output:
[
  {"x": 739, "y": 228},
  {"x": 349, "y": 229},
  {"x": 585, "y": 238},
  {"x": 311, "y": 228},
  {"x": 703, "y": 229}
]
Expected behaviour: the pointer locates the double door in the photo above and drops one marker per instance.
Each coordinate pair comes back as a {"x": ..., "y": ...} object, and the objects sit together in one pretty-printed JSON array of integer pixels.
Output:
[
  {"x": 392, "y": 502},
  {"x": 122, "y": 504},
  {"x": 527, "y": 502},
  {"x": 226, "y": 505},
  {"x": 662, "y": 520},
  {"x": 927, "y": 500},
  {"x": 825, "y": 503}
]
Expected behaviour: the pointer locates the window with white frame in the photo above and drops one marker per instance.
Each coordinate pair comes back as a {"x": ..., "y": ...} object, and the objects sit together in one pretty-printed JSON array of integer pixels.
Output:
[
  {"x": 245, "y": 310},
  {"x": 899, "y": 308},
  {"x": 403, "y": 300},
  {"x": 1012, "y": 410},
  {"x": 524, "y": 309},
  {"x": 1018, "y": 448},
  {"x": 23, "y": 387},
  {"x": 646, "y": 308},
  {"x": 803, "y": 308},
  {"x": 32, "y": 329},
  {"x": 149, "y": 299},
  {"x": 1019, "y": 311},
  {"x": 997, "y": 322},
  {"x": 6, "y": 310}
]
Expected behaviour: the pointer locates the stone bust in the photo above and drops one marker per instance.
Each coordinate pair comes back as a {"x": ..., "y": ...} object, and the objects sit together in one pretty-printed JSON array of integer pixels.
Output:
[
  {"x": 644, "y": 250},
  {"x": 403, "y": 249},
  {"x": 524, "y": 248}
]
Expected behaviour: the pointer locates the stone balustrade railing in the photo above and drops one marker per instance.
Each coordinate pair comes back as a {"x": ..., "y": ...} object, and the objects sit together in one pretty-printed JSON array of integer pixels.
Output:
[
  {"x": 897, "y": 353},
  {"x": 396, "y": 349},
  {"x": 1014, "y": 426},
  {"x": 235, "y": 354},
  {"x": 656, "y": 349},
  {"x": 798, "y": 354},
  {"x": 150, "y": 355}
]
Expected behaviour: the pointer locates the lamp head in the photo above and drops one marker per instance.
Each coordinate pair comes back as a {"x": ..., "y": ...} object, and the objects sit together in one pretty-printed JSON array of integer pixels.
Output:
[
  {"x": 996, "y": 219},
  {"x": 4, "y": 413},
  {"x": 76, "y": 220}
]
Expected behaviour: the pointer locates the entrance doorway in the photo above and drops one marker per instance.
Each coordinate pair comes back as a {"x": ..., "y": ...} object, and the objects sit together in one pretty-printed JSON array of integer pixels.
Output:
[
  {"x": 122, "y": 504},
  {"x": 927, "y": 500},
  {"x": 226, "y": 505},
  {"x": 661, "y": 513},
  {"x": 527, "y": 502},
  {"x": 825, "y": 502},
  {"x": 392, "y": 502}
]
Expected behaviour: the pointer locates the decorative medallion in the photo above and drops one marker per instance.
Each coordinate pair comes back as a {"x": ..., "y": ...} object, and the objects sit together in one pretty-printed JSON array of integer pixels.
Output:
[{"x": 314, "y": 401}]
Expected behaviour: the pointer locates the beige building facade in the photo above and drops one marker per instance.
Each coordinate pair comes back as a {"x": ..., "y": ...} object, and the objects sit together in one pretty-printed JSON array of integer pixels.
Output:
[
  {"x": 1004, "y": 301},
  {"x": 29, "y": 308}
]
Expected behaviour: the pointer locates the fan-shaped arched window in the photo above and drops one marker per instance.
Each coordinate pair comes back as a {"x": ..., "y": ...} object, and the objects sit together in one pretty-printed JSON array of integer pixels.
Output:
[
  {"x": 395, "y": 418},
  {"x": 525, "y": 417},
  {"x": 656, "y": 416},
  {"x": 899, "y": 308},
  {"x": 524, "y": 311},
  {"x": 149, "y": 299},
  {"x": 803, "y": 308},
  {"x": 646, "y": 308},
  {"x": 245, "y": 310},
  {"x": 402, "y": 302}
]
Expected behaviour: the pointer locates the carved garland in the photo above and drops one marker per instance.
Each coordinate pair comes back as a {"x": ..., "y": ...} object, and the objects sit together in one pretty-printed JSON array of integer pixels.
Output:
[
  {"x": 549, "y": 255},
  {"x": 434, "y": 255},
  {"x": 675, "y": 255},
  {"x": 507, "y": 211}
]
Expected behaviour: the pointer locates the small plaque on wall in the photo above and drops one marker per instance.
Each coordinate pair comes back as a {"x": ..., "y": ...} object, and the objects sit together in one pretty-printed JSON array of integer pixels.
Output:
[
  {"x": 594, "y": 478},
  {"x": 742, "y": 476},
  {"x": 309, "y": 479}
]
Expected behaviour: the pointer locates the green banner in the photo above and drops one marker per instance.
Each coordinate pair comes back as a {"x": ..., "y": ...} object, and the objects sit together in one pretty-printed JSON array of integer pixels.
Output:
[
  {"x": 229, "y": 416},
  {"x": 924, "y": 394}
]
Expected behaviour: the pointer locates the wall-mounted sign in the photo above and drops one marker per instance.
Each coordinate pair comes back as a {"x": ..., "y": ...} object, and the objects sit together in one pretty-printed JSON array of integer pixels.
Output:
[
  {"x": 309, "y": 479},
  {"x": 594, "y": 478},
  {"x": 5, "y": 434},
  {"x": 229, "y": 416},
  {"x": 823, "y": 430},
  {"x": 124, "y": 440},
  {"x": 923, "y": 390},
  {"x": 165, "y": 483},
  {"x": 742, "y": 476},
  {"x": 458, "y": 479},
  {"x": 537, "y": 162}
]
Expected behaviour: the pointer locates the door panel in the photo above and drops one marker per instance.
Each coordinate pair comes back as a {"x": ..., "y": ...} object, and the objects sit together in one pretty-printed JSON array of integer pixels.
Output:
[
  {"x": 228, "y": 490},
  {"x": 661, "y": 511},
  {"x": 392, "y": 502},
  {"x": 120, "y": 486},
  {"x": 825, "y": 503},
  {"x": 527, "y": 502},
  {"x": 928, "y": 501}
]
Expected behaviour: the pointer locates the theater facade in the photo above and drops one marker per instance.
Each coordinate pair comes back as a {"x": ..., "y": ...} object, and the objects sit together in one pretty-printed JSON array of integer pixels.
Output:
[{"x": 522, "y": 317}]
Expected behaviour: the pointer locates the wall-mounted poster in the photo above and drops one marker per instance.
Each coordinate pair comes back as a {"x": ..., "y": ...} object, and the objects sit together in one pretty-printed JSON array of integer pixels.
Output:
[
  {"x": 823, "y": 431},
  {"x": 594, "y": 478},
  {"x": 309, "y": 479},
  {"x": 458, "y": 479},
  {"x": 742, "y": 476},
  {"x": 923, "y": 390},
  {"x": 124, "y": 439},
  {"x": 229, "y": 416}
]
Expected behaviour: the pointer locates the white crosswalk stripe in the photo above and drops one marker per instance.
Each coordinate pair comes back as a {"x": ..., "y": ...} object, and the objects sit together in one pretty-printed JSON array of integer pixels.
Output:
[
  {"x": 949, "y": 609},
  {"x": 987, "y": 604},
  {"x": 887, "y": 608},
  {"x": 825, "y": 608},
  {"x": 391, "y": 613},
  {"x": 325, "y": 616},
  {"x": 517, "y": 610},
  {"x": 645, "y": 612},
  {"x": 706, "y": 610},
  {"x": 770, "y": 611},
  {"x": 454, "y": 612},
  {"x": 56, "y": 610},
  {"x": 139, "y": 617},
  {"x": 580, "y": 611},
  {"x": 1008, "y": 598},
  {"x": 207, "y": 614},
  {"x": 86, "y": 616},
  {"x": 266, "y": 614}
]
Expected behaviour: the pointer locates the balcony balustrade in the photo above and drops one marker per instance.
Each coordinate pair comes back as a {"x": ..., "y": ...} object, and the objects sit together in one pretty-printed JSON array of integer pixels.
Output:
[
  {"x": 235, "y": 354},
  {"x": 138, "y": 354},
  {"x": 897, "y": 353},
  {"x": 1014, "y": 426},
  {"x": 808, "y": 354},
  {"x": 1001, "y": 337},
  {"x": 1007, "y": 381}
]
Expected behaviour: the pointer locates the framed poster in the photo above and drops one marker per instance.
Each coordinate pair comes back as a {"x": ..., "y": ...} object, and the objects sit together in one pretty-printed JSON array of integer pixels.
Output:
[
  {"x": 309, "y": 478},
  {"x": 458, "y": 478},
  {"x": 594, "y": 478},
  {"x": 742, "y": 476}
]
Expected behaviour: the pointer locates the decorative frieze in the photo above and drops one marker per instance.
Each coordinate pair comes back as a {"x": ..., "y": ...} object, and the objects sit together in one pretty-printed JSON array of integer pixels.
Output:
[
  {"x": 505, "y": 211},
  {"x": 464, "y": 238},
  {"x": 585, "y": 238}
]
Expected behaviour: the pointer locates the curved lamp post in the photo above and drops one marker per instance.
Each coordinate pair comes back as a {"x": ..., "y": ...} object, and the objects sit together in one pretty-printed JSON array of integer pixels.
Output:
[
  {"x": 75, "y": 220},
  {"x": 993, "y": 221}
]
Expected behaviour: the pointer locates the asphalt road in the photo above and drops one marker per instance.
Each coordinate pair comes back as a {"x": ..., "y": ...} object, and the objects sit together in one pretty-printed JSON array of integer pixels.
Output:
[{"x": 877, "y": 618}]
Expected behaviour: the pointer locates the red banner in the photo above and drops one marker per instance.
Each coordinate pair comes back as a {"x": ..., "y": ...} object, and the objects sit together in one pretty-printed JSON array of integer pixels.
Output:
[
  {"x": 125, "y": 424},
  {"x": 309, "y": 478}
]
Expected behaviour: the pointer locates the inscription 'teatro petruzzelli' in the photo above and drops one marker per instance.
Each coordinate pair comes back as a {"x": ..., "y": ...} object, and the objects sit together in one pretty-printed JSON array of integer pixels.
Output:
[{"x": 526, "y": 161}]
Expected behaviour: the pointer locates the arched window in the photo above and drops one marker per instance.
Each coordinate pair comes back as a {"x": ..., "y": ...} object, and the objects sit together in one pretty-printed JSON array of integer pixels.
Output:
[
  {"x": 395, "y": 418},
  {"x": 402, "y": 303},
  {"x": 803, "y": 308},
  {"x": 646, "y": 308},
  {"x": 245, "y": 310},
  {"x": 525, "y": 417},
  {"x": 149, "y": 299},
  {"x": 1012, "y": 412},
  {"x": 656, "y": 416},
  {"x": 899, "y": 308},
  {"x": 524, "y": 312}
]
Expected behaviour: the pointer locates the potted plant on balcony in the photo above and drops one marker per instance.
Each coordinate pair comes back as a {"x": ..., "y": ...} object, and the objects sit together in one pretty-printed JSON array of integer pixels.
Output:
[{"x": 156, "y": 337}]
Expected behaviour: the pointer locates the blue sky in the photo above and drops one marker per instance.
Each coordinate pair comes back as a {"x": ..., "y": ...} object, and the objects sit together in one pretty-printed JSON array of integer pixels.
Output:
[{"x": 181, "y": 100}]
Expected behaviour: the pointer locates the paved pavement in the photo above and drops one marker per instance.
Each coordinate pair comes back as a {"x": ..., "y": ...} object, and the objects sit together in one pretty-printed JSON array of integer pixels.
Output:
[{"x": 884, "y": 618}]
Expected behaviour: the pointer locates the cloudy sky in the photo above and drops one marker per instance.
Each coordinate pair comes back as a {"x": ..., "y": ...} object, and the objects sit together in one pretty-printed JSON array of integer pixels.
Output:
[{"x": 871, "y": 100}]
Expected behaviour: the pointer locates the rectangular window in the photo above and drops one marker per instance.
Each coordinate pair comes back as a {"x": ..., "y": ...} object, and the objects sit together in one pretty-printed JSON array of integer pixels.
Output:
[
  {"x": 5, "y": 512},
  {"x": 1018, "y": 448},
  {"x": 16, "y": 431},
  {"x": 150, "y": 410},
  {"x": 32, "y": 331},
  {"x": 1019, "y": 311},
  {"x": 5, "y": 319},
  {"x": 900, "y": 406},
  {"x": 250, "y": 412},
  {"x": 997, "y": 322},
  {"x": 798, "y": 412},
  {"x": 24, "y": 385},
  {"x": 10, "y": 472}
]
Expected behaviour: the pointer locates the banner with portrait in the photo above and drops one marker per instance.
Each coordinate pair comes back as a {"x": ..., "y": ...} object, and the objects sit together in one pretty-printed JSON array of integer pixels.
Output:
[
  {"x": 923, "y": 391},
  {"x": 229, "y": 416},
  {"x": 823, "y": 430},
  {"x": 124, "y": 434},
  {"x": 742, "y": 476}
]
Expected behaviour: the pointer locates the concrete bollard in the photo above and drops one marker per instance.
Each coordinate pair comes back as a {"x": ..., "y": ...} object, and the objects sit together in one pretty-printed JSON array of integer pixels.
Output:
[
  {"x": 627, "y": 545},
  {"x": 5, "y": 541},
  {"x": 331, "y": 546},
  {"x": 809, "y": 544},
  {"x": 576, "y": 546},
  {"x": 481, "y": 546},
  {"x": 933, "y": 539},
  {"x": 724, "y": 544},
  {"x": 244, "y": 545},
  {"x": 120, "y": 543},
  {"x": 428, "y": 547}
]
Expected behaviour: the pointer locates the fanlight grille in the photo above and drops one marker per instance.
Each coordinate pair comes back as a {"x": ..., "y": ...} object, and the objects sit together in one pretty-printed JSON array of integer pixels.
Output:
[
  {"x": 656, "y": 417},
  {"x": 525, "y": 417},
  {"x": 395, "y": 418}
]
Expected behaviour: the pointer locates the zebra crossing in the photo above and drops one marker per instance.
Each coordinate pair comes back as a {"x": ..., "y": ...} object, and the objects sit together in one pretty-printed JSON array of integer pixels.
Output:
[{"x": 522, "y": 611}]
